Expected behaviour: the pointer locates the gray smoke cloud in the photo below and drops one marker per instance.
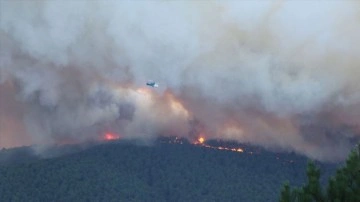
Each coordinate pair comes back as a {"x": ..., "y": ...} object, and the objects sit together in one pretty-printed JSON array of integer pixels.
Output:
[{"x": 281, "y": 74}]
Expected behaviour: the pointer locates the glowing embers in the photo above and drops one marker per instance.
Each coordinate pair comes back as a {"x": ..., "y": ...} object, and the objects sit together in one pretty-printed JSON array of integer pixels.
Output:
[
  {"x": 111, "y": 136},
  {"x": 230, "y": 149},
  {"x": 201, "y": 142}
]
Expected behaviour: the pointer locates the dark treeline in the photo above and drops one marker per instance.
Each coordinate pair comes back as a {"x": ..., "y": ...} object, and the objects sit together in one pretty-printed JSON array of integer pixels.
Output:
[
  {"x": 344, "y": 186},
  {"x": 121, "y": 171}
]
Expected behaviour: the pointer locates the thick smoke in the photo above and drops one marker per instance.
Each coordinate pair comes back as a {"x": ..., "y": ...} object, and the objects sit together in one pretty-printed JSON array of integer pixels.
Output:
[{"x": 281, "y": 74}]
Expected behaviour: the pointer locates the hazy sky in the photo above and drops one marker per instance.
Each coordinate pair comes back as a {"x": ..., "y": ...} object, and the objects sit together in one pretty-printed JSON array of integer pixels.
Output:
[{"x": 281, "y": 74}]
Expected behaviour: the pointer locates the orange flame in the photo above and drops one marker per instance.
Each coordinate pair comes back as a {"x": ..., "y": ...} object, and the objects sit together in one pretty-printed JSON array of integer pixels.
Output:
[
  {"x": 201, "y": 140},
  {"x": 240, "y": 150},
  {"x": 111, "y": 136}
]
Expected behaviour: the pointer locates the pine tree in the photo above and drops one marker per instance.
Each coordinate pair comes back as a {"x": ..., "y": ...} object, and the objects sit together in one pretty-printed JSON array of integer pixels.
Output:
[
  {"x": 313, "y": 189},
  {"x": 344, "y": 186},
  {"x": 285, "y": 193}
]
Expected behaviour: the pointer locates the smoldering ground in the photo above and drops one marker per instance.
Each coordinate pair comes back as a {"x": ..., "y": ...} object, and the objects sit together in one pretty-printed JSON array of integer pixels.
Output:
[{"x": 281, "y": 74}]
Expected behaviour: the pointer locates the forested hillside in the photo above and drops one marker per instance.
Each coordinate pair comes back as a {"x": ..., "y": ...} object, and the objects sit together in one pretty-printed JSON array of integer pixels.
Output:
[{"x": 123, "y": 171}]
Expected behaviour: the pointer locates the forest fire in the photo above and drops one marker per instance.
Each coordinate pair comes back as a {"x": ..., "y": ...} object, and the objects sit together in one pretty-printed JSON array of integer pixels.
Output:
[
  {"x": 223, "y": 148},
  {"x": 110, "y": 136},
  {"x": 201, "y": 142},
  {"x": 228, "y": 149}
]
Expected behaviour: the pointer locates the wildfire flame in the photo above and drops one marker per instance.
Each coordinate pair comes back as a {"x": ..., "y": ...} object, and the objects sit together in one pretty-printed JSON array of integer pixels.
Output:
[
  {"x": 201, "y": 142},
  {"x": 224, "y": 148},
  {"x": 111, "y": 136}
]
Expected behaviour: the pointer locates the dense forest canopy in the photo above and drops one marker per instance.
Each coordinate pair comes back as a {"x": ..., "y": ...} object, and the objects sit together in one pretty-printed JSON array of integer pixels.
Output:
[{"x": 124, "y": 171}]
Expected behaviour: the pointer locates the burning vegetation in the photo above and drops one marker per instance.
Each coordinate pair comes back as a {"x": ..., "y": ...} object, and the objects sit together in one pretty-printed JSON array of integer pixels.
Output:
[
  {"x": 247, "y": 83},
  {"x": 110, "y": 136},
  {"x": 201, "y": 142}
]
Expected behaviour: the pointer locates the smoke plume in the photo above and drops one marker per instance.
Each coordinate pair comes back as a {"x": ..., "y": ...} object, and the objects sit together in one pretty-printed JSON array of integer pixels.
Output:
[{"x": 281, "y": 74}]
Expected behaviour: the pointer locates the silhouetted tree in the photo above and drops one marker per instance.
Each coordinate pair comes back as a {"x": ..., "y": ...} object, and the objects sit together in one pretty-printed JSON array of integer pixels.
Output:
[
  {"x": 343, "y": 187},
  {"x": 285, "y": 193}
]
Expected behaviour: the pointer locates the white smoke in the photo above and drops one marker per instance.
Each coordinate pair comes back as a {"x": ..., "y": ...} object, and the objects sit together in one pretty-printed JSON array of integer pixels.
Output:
[{"x": 282, "y": 74}]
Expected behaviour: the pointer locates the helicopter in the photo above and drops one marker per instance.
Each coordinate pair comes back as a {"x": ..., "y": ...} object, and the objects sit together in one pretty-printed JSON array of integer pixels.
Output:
[{"x": 152, "y": 84}]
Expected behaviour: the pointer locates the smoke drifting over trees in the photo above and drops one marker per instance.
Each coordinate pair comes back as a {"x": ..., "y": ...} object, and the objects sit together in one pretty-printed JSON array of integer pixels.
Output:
[{"x": 281, "y": 74}]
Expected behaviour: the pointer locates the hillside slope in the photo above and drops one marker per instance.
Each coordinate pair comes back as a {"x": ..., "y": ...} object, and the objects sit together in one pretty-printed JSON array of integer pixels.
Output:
[{"x": 123, "y": 171}]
